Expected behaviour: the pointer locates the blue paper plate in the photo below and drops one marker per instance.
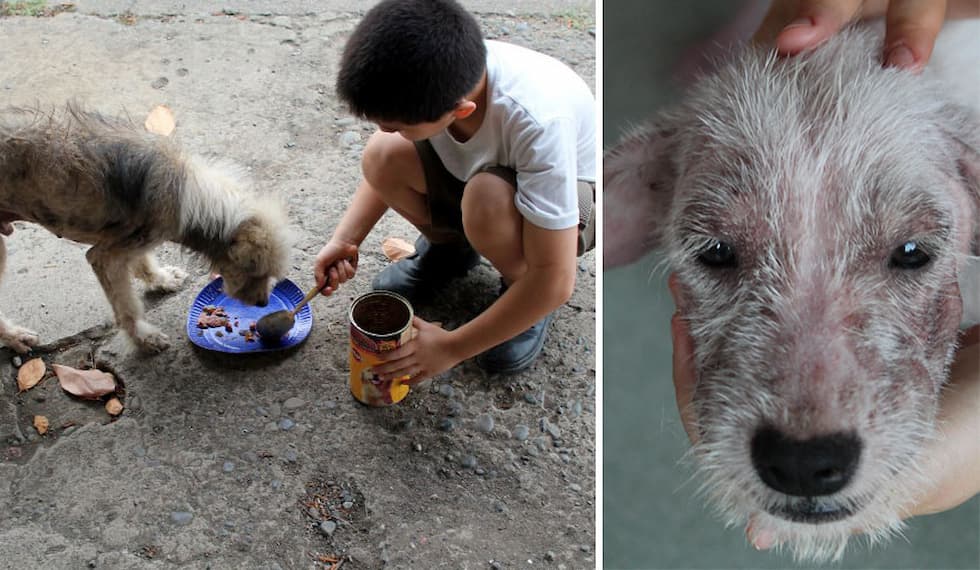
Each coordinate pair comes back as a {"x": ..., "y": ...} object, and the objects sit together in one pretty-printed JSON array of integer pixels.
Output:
[{"x": 286, "y": 295}]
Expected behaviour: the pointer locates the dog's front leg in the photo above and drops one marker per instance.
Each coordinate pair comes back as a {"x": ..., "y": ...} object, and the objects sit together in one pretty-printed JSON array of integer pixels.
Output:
[
  {"x": 16, "y": 337},
  {"x": 163, "y": 279},
  {"x": 113, "y": 267}
]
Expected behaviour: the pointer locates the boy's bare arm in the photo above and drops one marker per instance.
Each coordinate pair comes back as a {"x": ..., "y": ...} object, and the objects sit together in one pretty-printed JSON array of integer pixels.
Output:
[
  {"x": 547, "y": 284},
  {"x": 337, "y": 260}
]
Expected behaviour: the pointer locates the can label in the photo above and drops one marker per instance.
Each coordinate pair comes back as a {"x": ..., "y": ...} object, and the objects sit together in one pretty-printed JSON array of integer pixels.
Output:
[{"x": 380, "y": 321}]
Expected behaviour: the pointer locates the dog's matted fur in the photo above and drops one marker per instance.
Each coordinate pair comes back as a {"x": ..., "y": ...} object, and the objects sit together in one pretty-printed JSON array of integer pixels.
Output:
[
  {"x": 106, "y": 182},
  {"x": 819, "y": 212}
]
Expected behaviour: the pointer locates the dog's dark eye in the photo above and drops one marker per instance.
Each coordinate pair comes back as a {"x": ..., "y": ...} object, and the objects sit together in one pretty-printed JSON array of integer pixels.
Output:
[
  {"x": 909, "y": 255},
  {"x": 718, "y": 254}
]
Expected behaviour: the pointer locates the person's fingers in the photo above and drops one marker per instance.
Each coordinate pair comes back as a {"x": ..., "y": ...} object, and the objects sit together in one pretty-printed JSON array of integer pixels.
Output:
[
  {"x": 795, "y": 25},
  {"x": 415, "y": 375},
  {"x": 970, "y": 337},
  {"x": 814, "y": 22},
  {"x": 911, "y": 30},
  {"x": 684, "y": 375}
]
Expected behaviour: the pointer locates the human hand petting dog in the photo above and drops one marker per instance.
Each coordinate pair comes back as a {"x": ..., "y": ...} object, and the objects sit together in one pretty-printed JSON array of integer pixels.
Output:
[
  {"x": 952, "y": 462},
  {"x": 337, "y": 263},
  {"x": 911, "y": 25}
]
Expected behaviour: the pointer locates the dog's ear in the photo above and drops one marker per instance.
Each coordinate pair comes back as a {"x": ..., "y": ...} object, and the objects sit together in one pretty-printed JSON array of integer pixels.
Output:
[
  {"x": 962, "y": 126},
  {"x": 638, "y": 186},
  {"x": 249, "y": 248}
]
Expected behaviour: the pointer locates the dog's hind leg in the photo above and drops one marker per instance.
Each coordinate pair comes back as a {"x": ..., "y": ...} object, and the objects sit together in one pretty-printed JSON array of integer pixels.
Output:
[
  {"x": 113, "y": 267},
  {"x": 16, "y": 337},
  {"x": 162, "y": 279}
]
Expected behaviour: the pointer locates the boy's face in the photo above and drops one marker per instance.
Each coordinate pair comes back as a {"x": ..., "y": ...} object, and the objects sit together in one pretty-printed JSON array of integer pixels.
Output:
[{"x": 418, "y": 131}]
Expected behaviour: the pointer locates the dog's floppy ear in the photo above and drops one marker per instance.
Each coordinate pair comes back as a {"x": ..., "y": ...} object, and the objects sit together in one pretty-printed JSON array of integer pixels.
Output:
[
  {"x": 962, "y": 126},
  {"x": 638, "y": 186}
]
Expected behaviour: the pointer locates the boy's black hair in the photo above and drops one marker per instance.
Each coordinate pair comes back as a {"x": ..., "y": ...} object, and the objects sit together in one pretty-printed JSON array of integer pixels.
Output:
[{"x": 411, "y": 61}]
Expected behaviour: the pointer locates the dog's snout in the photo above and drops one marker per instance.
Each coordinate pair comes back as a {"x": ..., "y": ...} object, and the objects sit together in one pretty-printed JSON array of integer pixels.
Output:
[
  {"x": 805, "y": 468},
  {"x": 262, "y": 302}
]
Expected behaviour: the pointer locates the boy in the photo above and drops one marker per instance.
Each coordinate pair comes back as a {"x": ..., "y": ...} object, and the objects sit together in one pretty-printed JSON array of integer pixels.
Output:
[{"x": 488, "y": 149}]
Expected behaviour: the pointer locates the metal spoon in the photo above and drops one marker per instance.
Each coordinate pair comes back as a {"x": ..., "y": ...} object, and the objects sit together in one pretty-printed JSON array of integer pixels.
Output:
[{"x": 275, "y": 325}]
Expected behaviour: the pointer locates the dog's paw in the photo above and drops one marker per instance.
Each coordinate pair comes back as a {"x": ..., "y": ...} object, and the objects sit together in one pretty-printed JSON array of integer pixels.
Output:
[
  {"x": 149, "y": 338},
  {"x": 19, "y": 338},
  {"x": 167, "y": 280}
]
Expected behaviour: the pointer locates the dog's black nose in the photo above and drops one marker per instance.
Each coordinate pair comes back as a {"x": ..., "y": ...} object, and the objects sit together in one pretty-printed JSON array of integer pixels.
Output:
[
  {"x": 262, "y": 303},
  {"x": 805, "y": 468}
]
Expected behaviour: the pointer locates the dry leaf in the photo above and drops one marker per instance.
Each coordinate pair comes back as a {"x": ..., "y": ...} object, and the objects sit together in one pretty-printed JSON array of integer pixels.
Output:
[
  {"x": 90, "y": 384},
  {"x": 30, "y": 374},
  {"x": 396, "y": 248},
  {"x": 160, "y": 121},
  {"x": 114, "y": 407},
  {"x": 41, "y": 424}
]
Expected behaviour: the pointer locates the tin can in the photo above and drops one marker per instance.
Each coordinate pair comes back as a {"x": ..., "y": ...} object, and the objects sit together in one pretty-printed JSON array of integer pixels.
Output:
[{"x": 380, "y": 321}]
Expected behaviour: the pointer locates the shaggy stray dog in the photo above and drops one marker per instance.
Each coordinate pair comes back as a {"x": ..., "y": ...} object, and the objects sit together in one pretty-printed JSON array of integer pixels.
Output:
[
  {"x": 106, "y": 182},
  {"x": 819, "y": 212}
]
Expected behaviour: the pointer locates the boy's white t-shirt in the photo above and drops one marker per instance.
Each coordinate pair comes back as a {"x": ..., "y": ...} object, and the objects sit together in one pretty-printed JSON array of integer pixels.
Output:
[{"x": 540, "y": 121}]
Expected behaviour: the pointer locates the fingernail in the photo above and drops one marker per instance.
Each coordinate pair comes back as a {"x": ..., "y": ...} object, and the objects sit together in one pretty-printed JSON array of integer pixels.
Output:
[
  {"x": 902, "y": 57},
  {"x": 799, "y": 23}
]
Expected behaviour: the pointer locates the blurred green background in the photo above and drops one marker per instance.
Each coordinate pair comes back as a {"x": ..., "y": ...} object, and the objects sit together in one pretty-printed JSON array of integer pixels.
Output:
[{"x": 651, "y": 516}]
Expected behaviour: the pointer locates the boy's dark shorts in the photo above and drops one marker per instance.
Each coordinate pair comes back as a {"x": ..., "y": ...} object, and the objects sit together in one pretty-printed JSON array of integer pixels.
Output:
[{"x": 445, "y": 196}]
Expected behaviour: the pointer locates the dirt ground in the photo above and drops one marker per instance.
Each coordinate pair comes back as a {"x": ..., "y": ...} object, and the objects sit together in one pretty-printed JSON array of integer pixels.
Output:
[{"x": 266, "y": 461}]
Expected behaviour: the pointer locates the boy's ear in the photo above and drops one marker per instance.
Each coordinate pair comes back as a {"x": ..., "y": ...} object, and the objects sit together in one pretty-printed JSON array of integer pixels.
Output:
[
  {"x": 464, "y": 109},
  {"x": 638, "y": 177}
]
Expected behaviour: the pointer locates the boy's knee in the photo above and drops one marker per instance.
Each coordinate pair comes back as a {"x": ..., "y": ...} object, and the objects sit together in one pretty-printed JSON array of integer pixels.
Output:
[
  {"x": 488, "y": 202},
  {"x": 386, "y": 157}
]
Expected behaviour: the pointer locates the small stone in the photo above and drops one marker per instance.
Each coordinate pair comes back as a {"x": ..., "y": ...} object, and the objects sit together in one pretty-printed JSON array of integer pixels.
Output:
[
  {"x": 549, "y": 556},
  {"x": 521, "y": 27},
  {"x": 261, "y": 411},
  {"x": 182, "y": 72},
  {"x": 286, "y": 424},
  {"x": 521, "y": 433},
  {"x": 345, "y": 121},
  {"x": 228, "y": 467},
  {"x": 446, "y": 390},
  {"x": 484, "y": 423},
  {"x": 328, "y": 528},
  {"x": 348, "y": 505},
  {"x": 456, "y": 408},
  {"x": 293, "y": 403},
  {"x": 494, "y": 565},
  {"x": 468, "y": 461},
  {"x": 417, "y": 446},
  {"x": 159, "y": 83},
  {"x": 575, "y": 487},
  {"x": 530, "y": 398},
  {"x": 585, "y": 548},
  {"x": 447, "y": 424},
  {"x": 350, "y": 138},
  {"x": 16, "y": 361},
  {"x": 275, "y": 484},
  {"x": 290, "y": 456},
  {"x": 480, "y": 471},
  {"x": 499, "y": 506},
  {"x": 181, "y": 518}
]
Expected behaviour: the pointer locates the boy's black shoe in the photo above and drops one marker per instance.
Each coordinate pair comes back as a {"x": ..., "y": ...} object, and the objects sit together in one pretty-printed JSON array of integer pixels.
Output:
[
  {"x": 431, "y": 266},
  {"x": 516, "y": 354}
]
